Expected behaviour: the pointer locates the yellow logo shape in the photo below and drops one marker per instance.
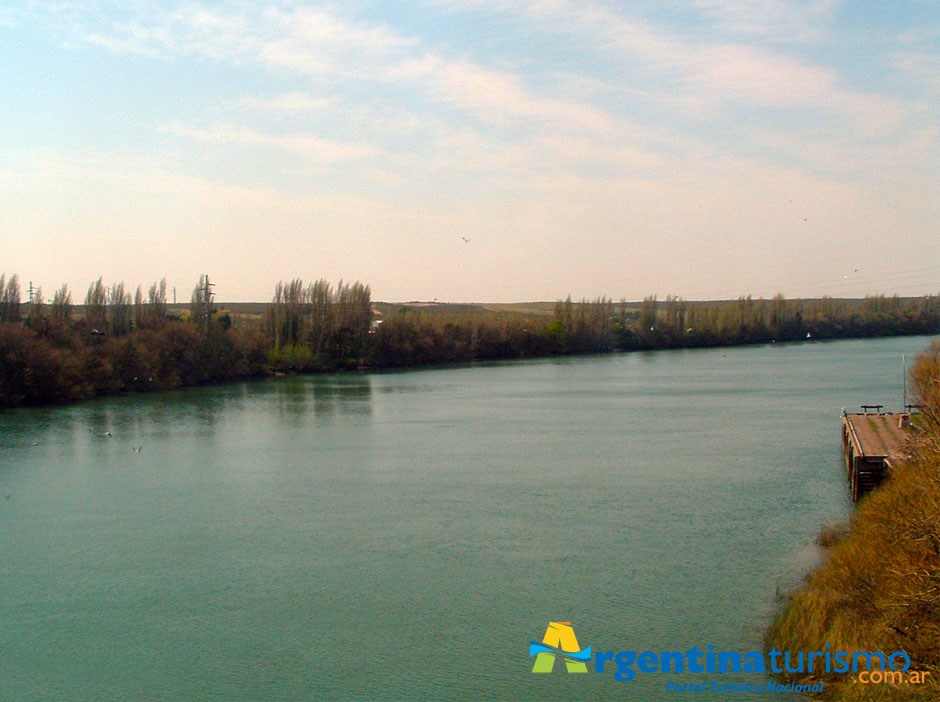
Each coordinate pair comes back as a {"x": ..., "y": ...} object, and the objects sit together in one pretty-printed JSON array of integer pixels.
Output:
[{"x": 560, "y": 635}]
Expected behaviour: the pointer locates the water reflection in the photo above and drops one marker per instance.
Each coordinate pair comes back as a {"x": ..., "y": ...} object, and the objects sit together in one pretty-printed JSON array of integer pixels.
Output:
[
  {"x": 193, "y": 413},
  {"x": 326, "y": 396}
]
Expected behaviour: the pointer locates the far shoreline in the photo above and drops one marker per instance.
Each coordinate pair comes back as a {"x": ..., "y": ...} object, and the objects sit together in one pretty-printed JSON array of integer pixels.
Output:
[{"x": 271, "y": 375}]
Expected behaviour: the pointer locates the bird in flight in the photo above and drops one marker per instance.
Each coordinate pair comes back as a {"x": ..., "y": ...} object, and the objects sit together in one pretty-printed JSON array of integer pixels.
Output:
[
  {"x": 465, "y": 240},
  {"x": 138, "y": 449}
]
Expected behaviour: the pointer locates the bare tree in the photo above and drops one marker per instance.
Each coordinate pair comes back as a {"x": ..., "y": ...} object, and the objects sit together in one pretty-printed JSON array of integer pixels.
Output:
[
  {"x": 200, "y": 305},
  {"x": 156, "y": 300},
  {"x": 96, "y": 306},
  {"x": 62, "y": 304},
  {"x": 120, "y": 310},
  {"x": 37, "y": 310},
  {"x": 140, "y": 311},
  {"x": 10, "y": 299}
]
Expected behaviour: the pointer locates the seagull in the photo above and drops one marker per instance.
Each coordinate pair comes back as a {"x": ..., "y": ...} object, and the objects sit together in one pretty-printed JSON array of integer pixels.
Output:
[
  {"x": 35, "y": 443},
  {"x": 138, "y": 449},
  {"x": 108, "y": 434},
  {"x": 7, "y": 496},
  {"x": 465, "y": 239}
]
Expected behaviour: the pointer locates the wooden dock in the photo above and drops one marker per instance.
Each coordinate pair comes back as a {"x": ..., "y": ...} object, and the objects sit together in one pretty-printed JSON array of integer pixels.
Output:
[{"x": 870, "y": 442}]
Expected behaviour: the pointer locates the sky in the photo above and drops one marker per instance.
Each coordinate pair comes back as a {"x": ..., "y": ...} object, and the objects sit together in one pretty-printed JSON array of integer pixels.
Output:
[{"x": 474, "y": 150}]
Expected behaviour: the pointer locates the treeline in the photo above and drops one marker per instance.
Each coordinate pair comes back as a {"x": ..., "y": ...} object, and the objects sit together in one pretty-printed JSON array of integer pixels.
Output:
[
  {"x": 601, "y": 324},
  {"x": 880, "y": 587},
  {"x": 315, "y": 327},
  {"x": 119, "y": 341}
]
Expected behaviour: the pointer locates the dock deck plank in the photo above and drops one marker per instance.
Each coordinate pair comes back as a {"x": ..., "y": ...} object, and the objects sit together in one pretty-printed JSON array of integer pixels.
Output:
[{"x": 879, "y": 435}]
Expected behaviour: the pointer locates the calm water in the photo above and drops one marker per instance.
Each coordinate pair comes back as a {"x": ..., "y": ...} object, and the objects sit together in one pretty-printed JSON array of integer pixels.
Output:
[{"x": 405, "y": 535}]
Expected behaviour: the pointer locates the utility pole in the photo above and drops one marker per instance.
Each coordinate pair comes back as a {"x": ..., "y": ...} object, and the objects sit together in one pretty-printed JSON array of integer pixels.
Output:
[
  {"x": 904, "y": 379},
  {"x": 29, "y": 300},
  {"x": 207, "y": 298}
]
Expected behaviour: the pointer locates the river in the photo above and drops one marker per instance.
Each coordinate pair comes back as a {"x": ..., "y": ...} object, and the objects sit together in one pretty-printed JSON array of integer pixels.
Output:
[{"x": 406, "y": 535}]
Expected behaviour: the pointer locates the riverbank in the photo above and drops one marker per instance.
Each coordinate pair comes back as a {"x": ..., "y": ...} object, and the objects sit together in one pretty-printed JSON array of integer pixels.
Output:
[
  {"x": 880, "y": 587},
  {"x": 38, "y": 373},
  {"x": 49, "y": 357}
]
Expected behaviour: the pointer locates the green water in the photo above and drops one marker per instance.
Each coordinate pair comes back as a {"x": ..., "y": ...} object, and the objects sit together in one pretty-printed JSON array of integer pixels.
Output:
[{"x": 405, "y": 535}]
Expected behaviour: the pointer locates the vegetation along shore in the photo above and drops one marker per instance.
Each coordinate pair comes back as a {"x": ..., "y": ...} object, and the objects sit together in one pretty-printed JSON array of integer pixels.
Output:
[
  {"x": 879, "y": 590},
  {"x": 117, "y": 341}
]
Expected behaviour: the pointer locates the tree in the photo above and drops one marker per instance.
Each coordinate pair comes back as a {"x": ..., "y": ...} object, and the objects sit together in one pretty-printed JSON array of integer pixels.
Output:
[
  {"x": 61, "y": 307},
  {"x": 156, "y": 301},
  {"x": 646, "y": 322},
  {"x": 200, "y": 306},
  {"x": 96, "y": 306},
  {"x": 140, "y": 312},
  {"x": 120, "y": 310},
  {"x": 925, "y": 380},
  {"x": 9, "y": 299},
  {"x": 37, "y": 311}
]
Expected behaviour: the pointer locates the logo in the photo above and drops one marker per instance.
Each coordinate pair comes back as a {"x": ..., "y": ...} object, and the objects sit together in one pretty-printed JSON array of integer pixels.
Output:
[
  {"x": 559, "y": 640},
  {"x": 866, "y": 667}
]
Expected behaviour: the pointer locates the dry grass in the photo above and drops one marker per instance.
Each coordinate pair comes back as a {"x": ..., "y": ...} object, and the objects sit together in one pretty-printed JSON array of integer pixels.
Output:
[
  {"x": 831, "y": 535},
  {"x": 880, "y": 589}
]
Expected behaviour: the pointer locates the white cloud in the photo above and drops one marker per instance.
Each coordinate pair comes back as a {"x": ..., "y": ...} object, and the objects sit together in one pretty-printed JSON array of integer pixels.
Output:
[
  {"x": 920, "y": 66},
  {"x": 911, "y": 158},
  {"x": 499, "y": 96},
  {"x": 290, "y": 36},
  {"x": 309, "y": 146},
  {"x": 710, "y": 76},
  {"x": 293, "y": 103},
  {"x": 785, "y": 21}
]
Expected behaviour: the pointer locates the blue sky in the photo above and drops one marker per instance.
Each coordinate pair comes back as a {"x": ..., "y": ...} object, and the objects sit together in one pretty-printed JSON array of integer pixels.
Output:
[{"x": 708, "y": 148}]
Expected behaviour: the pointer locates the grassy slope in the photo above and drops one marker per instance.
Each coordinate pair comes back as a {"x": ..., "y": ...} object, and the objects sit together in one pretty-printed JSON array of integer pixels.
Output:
[{"x": 880, "y": 589}]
